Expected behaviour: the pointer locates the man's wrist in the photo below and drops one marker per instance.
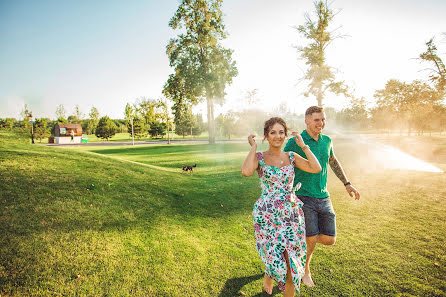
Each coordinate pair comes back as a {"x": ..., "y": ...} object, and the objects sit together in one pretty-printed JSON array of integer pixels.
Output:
[
  {"x": 305, "y": 147},
  {"x": 347, "y": 184}
]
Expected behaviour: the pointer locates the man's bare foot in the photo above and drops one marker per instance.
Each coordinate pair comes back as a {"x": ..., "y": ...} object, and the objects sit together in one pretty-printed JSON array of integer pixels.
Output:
[
  {"x": 268, "y": 284},
  {"x": 306, "y": 279}
]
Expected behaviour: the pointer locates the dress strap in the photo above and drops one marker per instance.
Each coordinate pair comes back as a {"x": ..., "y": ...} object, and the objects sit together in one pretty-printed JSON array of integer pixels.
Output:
[
  {"x": 260, "y": 158},
  {"x": 291, "y": 155}
]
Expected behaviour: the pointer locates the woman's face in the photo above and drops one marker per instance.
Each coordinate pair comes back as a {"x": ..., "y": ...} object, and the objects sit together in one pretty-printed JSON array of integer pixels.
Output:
[{"x": 276, "y": 135}]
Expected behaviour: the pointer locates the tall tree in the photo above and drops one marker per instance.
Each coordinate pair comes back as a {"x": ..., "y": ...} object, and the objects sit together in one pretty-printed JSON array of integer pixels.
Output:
[
  {"x": 93, "y": 120},
  {"x": 438, "y": 73},
  {"x": 203, "y": 68},
  {"x": 320, "y": 76},
  {"x": 61, "y": 113}
]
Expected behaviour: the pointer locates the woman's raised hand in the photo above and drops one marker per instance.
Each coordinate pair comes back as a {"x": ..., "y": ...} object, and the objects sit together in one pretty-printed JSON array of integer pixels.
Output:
[
  {"x": 299, "y": 141},
  {"x": 251, "y": 140}
]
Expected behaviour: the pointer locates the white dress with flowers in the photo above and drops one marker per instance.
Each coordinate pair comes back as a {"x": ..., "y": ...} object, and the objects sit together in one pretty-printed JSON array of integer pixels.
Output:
[{"x": 279, "y": 223}]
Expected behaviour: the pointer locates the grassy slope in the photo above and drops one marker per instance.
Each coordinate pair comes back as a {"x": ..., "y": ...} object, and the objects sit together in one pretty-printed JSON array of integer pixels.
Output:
[{"x": 81, "y": 223}]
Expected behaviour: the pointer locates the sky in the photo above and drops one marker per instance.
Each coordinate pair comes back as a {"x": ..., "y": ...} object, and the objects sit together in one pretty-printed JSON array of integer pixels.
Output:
[{"x": 109, "y": 53}]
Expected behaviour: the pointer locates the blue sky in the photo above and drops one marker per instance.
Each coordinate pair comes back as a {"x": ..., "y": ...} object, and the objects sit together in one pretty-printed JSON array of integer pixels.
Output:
[{"x": 108, "y": 53}]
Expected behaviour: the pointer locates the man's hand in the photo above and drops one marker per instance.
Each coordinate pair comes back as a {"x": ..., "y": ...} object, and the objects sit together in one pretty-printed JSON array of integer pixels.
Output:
[{"x": 352, "y": 191}]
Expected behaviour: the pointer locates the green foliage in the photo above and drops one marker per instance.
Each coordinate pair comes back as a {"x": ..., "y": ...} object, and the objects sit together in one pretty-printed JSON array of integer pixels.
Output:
[
  {"x": 184, "y": 120},
  {"x": 203, "y": 67},
  {"x": 106, "y": 128},
  {"x": 41, "y": 129},
  {"x": 157, "y": 129},
  {"x": 7, "y": 123},
  {"x": 320, "y": 76},
  {"x": 140, "y": 128}
]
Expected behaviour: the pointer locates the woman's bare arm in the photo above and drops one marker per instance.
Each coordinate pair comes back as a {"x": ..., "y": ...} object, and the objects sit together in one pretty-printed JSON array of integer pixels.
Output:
[
  {"x": 251, "y": 162},
  {"x": 311, "y": 164}
]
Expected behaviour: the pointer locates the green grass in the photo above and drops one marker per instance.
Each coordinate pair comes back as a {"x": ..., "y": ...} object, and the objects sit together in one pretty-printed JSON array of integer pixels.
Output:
[{"x": 124, "y": 221}]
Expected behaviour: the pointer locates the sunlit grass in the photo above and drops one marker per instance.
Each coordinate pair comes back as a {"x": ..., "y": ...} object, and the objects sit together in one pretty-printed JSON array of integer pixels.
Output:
[{"x": 74, "y": 222}]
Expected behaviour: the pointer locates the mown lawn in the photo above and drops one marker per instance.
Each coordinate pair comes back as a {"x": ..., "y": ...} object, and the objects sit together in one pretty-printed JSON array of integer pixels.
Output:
[{"x": 124, "y": 221}]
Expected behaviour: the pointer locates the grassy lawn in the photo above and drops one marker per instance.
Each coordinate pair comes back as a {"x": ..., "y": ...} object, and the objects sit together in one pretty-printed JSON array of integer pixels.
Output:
[{"x": 124, "y": 221}]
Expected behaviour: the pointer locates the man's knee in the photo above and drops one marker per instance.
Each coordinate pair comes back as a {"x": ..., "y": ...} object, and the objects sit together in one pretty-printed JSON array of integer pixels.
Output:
[{"x": 327, "y": 240}]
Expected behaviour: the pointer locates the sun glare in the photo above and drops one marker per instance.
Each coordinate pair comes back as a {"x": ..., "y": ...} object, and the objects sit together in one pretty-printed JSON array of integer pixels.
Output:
[{"x": 396, "y": 159}]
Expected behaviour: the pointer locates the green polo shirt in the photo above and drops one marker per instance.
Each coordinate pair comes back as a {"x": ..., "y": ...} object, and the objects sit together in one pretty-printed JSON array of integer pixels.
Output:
[{"x": 313, "y": 184}]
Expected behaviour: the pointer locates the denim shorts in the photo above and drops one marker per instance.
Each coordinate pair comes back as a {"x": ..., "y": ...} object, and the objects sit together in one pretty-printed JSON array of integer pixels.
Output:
[{"x": 320, "y": 217}]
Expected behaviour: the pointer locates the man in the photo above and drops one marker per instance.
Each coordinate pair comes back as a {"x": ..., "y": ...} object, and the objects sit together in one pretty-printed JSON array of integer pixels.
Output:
[{"x": 320, "y": 219}]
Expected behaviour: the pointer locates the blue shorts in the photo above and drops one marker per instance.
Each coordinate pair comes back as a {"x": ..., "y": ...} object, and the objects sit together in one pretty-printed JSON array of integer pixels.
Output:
[{"x": 320, "y": 217}]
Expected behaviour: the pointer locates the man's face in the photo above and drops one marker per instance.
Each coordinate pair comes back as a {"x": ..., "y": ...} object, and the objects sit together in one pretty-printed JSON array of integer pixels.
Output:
[{"x": 315, "y": 122}]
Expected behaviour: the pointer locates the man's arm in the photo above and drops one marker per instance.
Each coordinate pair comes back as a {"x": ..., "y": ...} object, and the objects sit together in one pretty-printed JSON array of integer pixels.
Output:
[{"x": 337, "y": 169}]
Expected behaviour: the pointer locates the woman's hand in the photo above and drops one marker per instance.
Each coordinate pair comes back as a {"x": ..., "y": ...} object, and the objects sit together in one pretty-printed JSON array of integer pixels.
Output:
[
  {"x": 299, "y": 141},
  {"x": 251, "y": 140}
]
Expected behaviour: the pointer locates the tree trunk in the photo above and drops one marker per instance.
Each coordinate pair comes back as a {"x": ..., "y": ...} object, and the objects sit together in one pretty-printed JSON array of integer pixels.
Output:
[
  {"x": 320, "y": 96},
  {"x": 211, "y": 124}
]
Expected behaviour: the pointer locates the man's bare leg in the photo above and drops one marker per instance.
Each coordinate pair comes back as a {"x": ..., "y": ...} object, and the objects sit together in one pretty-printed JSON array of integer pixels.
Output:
[{"x": 311, "y": 244}]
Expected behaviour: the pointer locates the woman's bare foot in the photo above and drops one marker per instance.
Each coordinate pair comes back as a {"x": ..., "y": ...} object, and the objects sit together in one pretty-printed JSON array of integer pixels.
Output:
[
  {"x": 268, "y": 284},
  {"x": 306, "y": 279}
]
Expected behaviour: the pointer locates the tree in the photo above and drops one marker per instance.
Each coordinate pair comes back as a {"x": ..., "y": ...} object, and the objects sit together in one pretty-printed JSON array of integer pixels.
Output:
[
  {"x": 106, "y": 128},
  {"x": 203, "y": 68},
  {"x": 40, "y": 129},
  {"x": 356, "y": 115},
  {"x": 165, "y": 117},
  {"x": 91, "y": 123},
  {"x": 60, "y": 112},
  {"x": 198, "y": 127},
  {"x": 157, "y": 128},
  {"x": 320, "y": 76},
  {"x": 139, "y": 127},
  {"x": 406, "y": 102},
  {"x": 183, "y": 120},
  {"x": 438, "y": 73}
]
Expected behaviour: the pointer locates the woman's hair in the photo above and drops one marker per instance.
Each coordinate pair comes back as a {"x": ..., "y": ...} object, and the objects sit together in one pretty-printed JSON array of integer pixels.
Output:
[{"x": 270, "y": 123}]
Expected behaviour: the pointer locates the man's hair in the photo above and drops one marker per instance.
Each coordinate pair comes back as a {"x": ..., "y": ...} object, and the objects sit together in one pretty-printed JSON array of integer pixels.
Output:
[
  {"x": 313, "y": 109},
  {"x": 271, "y": 122}
]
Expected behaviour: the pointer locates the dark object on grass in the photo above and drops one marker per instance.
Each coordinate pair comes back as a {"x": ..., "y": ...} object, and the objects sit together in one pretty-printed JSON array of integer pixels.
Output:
[{"x": 189, "y": 168}]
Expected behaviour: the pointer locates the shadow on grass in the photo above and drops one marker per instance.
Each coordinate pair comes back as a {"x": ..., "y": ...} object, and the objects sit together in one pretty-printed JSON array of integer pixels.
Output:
[{"x": 234, "y": 285}]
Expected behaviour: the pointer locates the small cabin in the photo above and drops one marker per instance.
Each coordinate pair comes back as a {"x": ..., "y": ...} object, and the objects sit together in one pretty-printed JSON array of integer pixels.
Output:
[{"x": 67, "y": 133}]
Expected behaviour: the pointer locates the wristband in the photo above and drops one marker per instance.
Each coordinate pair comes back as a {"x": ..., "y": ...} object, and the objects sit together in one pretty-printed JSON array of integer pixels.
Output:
[
  {"x": 305, "y": 147},
  {"x": 347, "y": 183}
]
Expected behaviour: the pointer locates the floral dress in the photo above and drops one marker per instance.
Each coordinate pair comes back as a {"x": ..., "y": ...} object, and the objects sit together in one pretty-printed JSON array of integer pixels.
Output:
[{"x": 279, "y": 223}]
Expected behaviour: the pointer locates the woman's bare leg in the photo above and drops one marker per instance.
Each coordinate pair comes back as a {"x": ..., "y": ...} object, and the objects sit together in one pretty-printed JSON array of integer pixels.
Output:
[
  {"x": 268, "y": 284},
  {"x": 289, "y": 286}
]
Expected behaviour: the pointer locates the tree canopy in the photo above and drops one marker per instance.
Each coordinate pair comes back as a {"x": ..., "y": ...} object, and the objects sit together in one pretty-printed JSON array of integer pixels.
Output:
[
  {"x": 203, "y": 67},
  {"x": 320, "y": 76}
]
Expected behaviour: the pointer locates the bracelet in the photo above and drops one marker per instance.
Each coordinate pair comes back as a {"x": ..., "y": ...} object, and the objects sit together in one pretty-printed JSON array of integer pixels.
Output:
[
  {"x": 305, "y": 147},
  {"x": 347, "y": 183}
]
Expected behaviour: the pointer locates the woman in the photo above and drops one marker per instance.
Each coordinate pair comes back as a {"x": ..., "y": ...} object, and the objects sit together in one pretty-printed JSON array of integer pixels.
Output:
[{"x": 278, "y": 215}]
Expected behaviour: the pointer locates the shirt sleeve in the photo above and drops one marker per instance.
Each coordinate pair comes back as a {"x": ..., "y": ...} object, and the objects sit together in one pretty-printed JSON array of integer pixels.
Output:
[{"x": 331, "y": 148}]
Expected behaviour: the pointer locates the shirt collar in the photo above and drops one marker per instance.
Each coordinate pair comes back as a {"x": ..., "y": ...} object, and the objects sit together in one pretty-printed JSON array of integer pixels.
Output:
[{"x": 307, "y": 136}]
